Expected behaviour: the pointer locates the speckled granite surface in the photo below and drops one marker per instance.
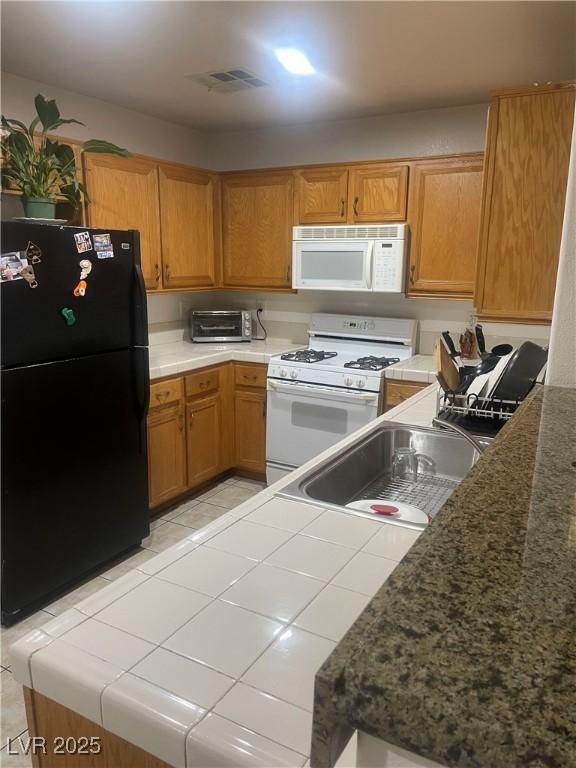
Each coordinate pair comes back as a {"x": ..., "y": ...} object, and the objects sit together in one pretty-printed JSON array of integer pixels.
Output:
[{"x": 467, "y": 655}]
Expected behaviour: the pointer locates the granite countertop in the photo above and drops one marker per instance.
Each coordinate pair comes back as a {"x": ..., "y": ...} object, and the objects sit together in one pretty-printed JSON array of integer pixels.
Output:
[{"x": 467, "y": 654}]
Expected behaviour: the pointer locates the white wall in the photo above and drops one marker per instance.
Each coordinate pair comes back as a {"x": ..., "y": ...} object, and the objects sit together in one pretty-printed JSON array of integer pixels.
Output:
[
  {"x": 137, "y": 132},
  {"x": 561, "y": 370},
  {"x": 287, "y": 315},
  {"x": 429, "y": 132}
]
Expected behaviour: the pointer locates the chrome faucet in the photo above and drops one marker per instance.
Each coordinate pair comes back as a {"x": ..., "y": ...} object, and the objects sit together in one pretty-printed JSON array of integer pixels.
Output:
[{"x": 459, "y": 431}]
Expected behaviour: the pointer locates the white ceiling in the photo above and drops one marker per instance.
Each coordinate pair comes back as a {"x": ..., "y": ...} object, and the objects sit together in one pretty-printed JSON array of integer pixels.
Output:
[{"x": 371, "y": 57}]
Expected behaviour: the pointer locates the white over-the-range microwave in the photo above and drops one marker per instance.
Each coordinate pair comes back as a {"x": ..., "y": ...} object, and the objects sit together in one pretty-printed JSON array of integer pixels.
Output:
[{"x": 349, "y": 258}]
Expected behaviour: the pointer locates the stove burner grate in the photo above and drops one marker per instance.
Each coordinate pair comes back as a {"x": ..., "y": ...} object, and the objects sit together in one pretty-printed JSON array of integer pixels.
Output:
[
  {"x": 372, "y": 363},
  {"x": 308, "y": 356}
]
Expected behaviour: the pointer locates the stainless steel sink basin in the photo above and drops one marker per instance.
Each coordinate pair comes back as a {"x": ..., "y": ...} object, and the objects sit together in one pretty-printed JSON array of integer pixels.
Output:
[{"x": 363, "y": 470}]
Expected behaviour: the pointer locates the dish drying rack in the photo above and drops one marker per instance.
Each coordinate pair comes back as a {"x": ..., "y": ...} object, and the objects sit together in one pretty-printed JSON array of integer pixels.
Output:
[{"x": 474, "y": 406}]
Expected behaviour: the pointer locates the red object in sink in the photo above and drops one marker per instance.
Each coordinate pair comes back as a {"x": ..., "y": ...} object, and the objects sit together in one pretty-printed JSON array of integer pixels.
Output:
[{"x": 384, "y": 509}]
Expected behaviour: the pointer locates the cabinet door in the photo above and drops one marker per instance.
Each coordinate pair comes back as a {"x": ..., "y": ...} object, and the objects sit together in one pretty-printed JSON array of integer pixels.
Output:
[
  {"x": 166, "y": 453},
  {"x": 444, "y": 216},
  {"x": 378, "y": 193},
  {"x": 187, "y": 219},
  {"x": 527, "y": 156},
  {"x": 124, "y": 195},
  {"x": 203, "y": 439},
  {"x": 250, "y": 417},
  {"x": 397, "y": 392},
  {"x": 322, "y": 195},
  {"x": 257, "y": 213}
]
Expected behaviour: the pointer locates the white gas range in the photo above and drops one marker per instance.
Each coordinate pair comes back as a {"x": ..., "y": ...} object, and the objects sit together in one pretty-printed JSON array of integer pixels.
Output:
[{"x": 318, "y": 395}]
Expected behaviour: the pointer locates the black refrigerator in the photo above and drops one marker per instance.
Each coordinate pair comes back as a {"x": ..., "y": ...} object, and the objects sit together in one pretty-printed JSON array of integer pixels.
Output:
[{"x": 75, "y": 393}]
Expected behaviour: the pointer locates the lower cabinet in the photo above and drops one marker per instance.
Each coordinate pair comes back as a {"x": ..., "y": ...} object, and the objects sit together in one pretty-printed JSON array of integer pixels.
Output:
[
  {"x": 250, "y": 417},
  {"x": 399, "y": 391},
  {"x": 250, "y": 430},
  {"x": 166, "y": 452},
  {"x": 203, "y": 424},
  {"x": 203, "y": 438}
]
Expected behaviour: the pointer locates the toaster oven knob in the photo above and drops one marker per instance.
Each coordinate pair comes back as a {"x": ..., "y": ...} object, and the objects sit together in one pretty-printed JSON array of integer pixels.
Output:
[
  {"x": 348, "y": 380},
  {"x": 293, "y": 374},
  {"x": 283, "y": 373},
  {"x": 360, "y": 383}
]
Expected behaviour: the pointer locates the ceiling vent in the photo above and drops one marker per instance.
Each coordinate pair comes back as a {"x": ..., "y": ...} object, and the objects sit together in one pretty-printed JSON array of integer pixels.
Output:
[{"x": 229, "y": 80}]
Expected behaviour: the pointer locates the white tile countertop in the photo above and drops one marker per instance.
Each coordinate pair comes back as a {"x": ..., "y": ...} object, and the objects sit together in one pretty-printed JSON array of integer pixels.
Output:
[
  {"x": 177, "y": 357},
  {"x": 206, "y": 654},
  {"x": 172, "y": 358},
  {"x": 420, "y": 368}
]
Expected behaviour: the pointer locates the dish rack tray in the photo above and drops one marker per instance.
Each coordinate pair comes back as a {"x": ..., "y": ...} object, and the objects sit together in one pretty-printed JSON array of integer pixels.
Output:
[{"x": 475, "y": 407}]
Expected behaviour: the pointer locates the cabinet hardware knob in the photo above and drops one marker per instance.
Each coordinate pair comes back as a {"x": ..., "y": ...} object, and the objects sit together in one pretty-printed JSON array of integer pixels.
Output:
[
  {"x": 342, "y": 206},
  {"x": 412, "y": 269},
  {"x": 181, "y": 422},
  {"x": 167, "y": 272},
  {"x": 356, "y": 199},
  {"x": 289, "y": 274},
  {"x": 157, "y": 268}
]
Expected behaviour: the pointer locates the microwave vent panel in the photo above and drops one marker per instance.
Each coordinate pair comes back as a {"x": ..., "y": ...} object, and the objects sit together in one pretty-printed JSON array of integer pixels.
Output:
[
  {"x": 229, "y": 80},
  {"x": 368, "y": 232}
]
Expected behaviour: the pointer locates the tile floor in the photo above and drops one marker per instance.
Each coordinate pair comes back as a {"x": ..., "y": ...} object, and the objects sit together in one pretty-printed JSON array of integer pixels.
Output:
[{"x": 168, "y": 529}]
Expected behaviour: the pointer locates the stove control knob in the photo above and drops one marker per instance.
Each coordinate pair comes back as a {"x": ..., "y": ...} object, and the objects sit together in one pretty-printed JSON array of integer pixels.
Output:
[
  {"x": 293, "y": 374},
  {"x": 348, "y": 380},
  {"x": 283, "y": 373},
  {"x": 361, "y": 383}
]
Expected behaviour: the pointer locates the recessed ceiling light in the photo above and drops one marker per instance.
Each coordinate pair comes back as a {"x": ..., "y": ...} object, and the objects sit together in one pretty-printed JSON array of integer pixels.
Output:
[{"x": 294, "y": 61}]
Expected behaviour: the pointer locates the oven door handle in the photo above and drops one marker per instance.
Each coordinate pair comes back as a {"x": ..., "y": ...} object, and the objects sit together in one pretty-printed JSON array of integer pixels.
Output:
[{"x": 326, "y": 393}]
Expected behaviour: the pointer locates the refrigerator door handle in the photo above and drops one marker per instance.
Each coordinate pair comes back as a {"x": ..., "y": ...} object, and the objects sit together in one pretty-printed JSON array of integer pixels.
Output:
[
  {"x": 140, "y": 304},
  {"x": 142, "y": 384}
]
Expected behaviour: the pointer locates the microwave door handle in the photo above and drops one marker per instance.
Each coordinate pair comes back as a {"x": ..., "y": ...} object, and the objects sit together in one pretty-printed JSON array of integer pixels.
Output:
[
  {"x": 368, "y": 265},
  {"x": 296, "y": 262}
]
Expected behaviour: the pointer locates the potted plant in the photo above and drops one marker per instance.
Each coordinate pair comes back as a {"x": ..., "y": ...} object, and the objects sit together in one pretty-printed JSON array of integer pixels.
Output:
[{"x": 40, "y": 167}]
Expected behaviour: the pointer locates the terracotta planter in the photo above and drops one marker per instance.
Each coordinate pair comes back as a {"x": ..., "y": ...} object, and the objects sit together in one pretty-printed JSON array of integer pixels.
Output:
[{"x": 39, "y": 207}]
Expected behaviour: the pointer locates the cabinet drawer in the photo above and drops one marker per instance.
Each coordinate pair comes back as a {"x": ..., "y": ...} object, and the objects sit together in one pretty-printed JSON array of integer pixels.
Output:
[
  {"x": 397, "y": 392},
  {"x": 165, "y": 392},
  {"x": 250, "y": 375},
  {"x": 202, "y": 382}
]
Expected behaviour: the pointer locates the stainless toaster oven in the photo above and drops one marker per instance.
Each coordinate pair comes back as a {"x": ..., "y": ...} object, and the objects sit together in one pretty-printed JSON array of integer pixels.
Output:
[{"x": 221, "y": 325}]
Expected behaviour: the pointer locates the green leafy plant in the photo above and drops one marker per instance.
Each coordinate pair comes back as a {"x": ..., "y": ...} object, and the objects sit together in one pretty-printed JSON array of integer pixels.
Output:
[{"x": 42, "y": 167}]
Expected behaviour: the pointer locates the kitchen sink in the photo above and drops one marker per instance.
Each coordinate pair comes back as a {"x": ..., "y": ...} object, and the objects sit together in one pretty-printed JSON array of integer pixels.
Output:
[{"x": 363, "y": 470}]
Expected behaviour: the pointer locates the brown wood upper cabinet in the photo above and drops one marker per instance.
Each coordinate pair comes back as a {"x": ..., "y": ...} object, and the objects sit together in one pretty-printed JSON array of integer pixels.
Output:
[
  {"x": 124, "y": 195},
  {"x": 444, "y": 216},
  {"x": 257, "y": 217},
  {"x": 322, "y": 195},
  {"x": 357, "y": 194},
  {"x": 378, "y": 193},
  {"x": 173, "y": 206},
  {"x": 527, "y": 155},
  {"x": 188, "y": 223}
]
